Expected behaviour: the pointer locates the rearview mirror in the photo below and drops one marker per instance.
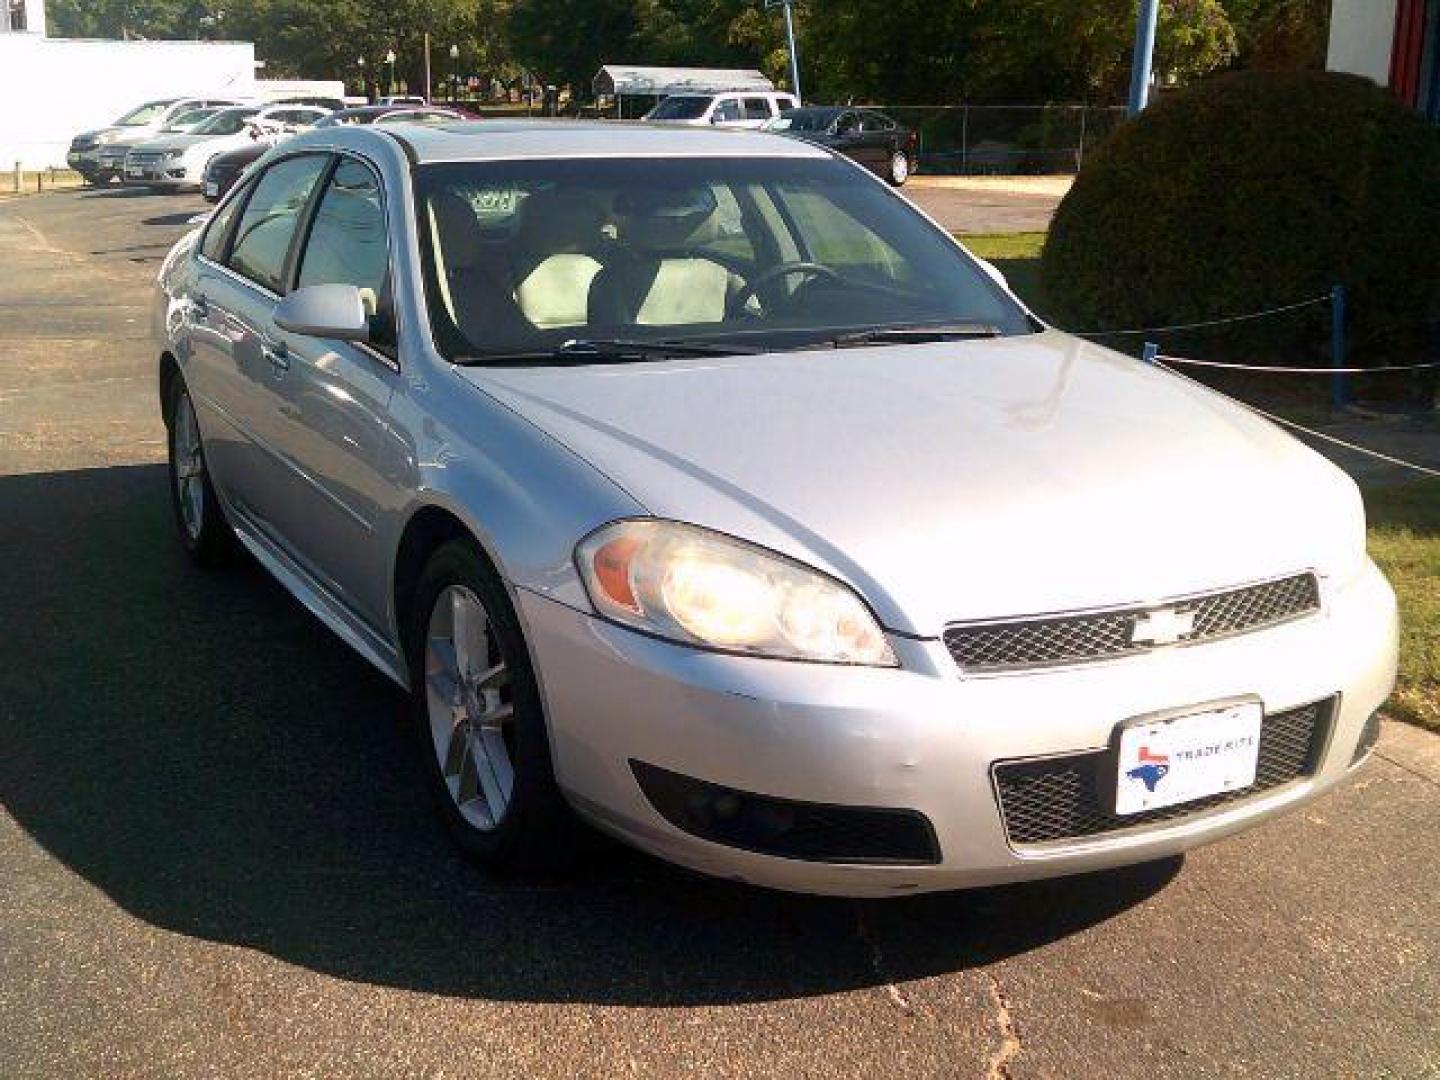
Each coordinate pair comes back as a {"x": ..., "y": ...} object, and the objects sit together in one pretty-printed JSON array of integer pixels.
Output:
[{"x": 325, "y": 311}]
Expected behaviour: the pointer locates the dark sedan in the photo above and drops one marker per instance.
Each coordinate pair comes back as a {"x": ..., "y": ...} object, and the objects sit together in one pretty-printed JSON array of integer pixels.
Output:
[
  {"x": 871, "y": 138},
  {"x": 225, "y": 169}
]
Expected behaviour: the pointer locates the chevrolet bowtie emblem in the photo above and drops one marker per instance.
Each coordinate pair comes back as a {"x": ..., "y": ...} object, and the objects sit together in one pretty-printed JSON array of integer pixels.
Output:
[{"x": 1164, "y": 626}]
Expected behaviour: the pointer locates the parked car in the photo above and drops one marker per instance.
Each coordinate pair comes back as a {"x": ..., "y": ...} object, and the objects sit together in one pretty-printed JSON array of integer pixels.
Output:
[
  {"x": 334, "y": 104},
  {"x": 225, "y": 169},
  {"x": 112, "y": 155},
  {"x": 140, "y": 123},
  {"x": 370, "y": 114},
  {"x": 694, "y": 485},
  {"x": 745, "y": 110},
  {"x": 402, "y": 99},
  {"x": 869, "y": 137},
  {"x": 179, "y": 161}
]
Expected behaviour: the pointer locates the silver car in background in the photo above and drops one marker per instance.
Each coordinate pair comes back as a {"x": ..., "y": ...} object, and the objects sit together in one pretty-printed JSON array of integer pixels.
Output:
[{"x": 696, "y": 484}]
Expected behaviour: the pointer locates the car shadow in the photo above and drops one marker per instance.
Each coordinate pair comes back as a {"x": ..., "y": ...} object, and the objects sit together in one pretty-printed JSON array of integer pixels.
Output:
[
  {"x": 183, "y": 218},
  {"x": 199, "y": 748}
]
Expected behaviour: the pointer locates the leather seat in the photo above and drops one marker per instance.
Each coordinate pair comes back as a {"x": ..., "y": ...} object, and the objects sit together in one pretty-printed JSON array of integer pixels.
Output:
[
  {"x": 554, "y": 258},
  {"x": 474, "y": 285},
  {"x": 657, "y": 278}
]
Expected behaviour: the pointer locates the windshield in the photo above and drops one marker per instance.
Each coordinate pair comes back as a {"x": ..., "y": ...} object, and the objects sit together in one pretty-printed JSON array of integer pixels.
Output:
[
  {"x": 679, "y": 108},
  {"x": 804, "y": 120},
  {"x": 225, "y": 122},
  {"x": 768, "y": 253},
  {"x": 144, "y": 114},
  {"x": 187, "y": 120}
]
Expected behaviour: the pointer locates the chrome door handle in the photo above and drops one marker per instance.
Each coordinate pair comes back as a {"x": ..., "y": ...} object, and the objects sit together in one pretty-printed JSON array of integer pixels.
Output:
[{"x": 278, "y": 354}]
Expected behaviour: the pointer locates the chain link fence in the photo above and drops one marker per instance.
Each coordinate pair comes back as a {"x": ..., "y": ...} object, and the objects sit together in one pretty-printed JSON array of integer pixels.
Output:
[{"x": 969, "y": 140}]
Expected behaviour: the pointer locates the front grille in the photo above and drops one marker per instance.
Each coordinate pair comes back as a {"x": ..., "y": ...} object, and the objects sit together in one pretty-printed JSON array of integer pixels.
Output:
[
  {"x": 1043, "y": 800},
  {"x": 1106, "y": 635},
  {"x": 146, "y": 158},
  {"x": 816, "y": 832}
]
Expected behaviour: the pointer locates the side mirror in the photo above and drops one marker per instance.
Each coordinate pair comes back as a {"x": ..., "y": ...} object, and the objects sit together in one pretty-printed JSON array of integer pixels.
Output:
[{"x": 325, "y": 311}]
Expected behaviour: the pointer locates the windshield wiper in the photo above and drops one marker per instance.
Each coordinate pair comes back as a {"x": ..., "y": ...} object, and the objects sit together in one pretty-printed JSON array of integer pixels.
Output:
[
  {"x": 914, "y": 335},
  {"x": 608, "y": 350}
]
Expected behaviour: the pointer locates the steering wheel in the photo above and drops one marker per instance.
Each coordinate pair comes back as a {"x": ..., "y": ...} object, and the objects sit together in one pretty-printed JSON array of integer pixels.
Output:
[{"x": 737, "y": 302}]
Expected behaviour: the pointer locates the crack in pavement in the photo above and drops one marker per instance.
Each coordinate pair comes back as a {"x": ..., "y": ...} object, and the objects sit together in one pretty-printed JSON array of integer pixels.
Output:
[
  {"x": 1407, "y": 769},
  {"x": 877, "y": 964},
  {"x": 998, "y": 1067}
]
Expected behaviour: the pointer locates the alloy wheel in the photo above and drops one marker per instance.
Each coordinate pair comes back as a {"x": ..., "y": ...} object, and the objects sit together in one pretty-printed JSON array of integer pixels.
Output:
[
  {"x": 467, "y": 688},
  {"x": 189, "y": 468}
]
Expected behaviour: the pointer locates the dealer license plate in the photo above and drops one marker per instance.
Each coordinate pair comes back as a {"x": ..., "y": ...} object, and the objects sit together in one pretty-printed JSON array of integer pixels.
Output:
[
  {"x": 1182, "y": 758},
  {"x": 212, "y": 188}
]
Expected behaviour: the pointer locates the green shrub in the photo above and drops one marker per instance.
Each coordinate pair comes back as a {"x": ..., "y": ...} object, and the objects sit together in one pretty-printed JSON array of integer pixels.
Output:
[{"x": 1249, "y": 191}]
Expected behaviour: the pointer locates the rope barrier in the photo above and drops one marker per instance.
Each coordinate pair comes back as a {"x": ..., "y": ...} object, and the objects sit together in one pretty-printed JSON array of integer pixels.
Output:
[
  {"x": 1209, "y": 322},
  {"x": 1423, "y": 470},
  {"x": 1299, "y": 370}
]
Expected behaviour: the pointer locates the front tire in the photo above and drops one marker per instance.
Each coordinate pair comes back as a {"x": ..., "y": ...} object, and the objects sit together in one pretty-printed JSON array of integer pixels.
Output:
[
  {"x": 899, "y": 170},
  {"x": 204, "y": 532},
  {"x": 476, "y": 717}
]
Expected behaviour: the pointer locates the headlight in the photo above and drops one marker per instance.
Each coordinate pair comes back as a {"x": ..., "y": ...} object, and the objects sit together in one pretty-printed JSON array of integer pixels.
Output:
[
  {"x": 702, "y": 588},
  {"x": 171, "y": 155}
]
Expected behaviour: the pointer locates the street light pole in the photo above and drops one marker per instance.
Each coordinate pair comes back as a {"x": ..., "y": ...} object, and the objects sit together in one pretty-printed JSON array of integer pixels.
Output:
[
  {"x": 390, "y": 59},
  {"x": 454, "y": 74},
  {"x": 790, "y": 44},
  {"x": 1143, "y": 63}
]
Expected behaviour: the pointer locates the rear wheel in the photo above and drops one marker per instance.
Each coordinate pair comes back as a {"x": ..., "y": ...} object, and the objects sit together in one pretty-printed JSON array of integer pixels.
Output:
[
  {"x": 899, "y": 168},
  {"x": 204, "y": 532},
  {"x": 477, "y": 720}
]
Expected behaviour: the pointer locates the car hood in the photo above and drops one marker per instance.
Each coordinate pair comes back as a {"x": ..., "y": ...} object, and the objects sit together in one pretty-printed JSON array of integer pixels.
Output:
[
  {"x": 965, "y": 480},
  {"x": 176, "y": 141}
]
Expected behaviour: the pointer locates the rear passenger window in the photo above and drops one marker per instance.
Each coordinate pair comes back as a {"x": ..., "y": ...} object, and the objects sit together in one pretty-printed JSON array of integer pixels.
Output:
[
  {"x": 347, "y": 242},
  {"x": 727, "y": 110},
  {"x": 757, "y": 109},
  {"x": 268, "y": 223}
]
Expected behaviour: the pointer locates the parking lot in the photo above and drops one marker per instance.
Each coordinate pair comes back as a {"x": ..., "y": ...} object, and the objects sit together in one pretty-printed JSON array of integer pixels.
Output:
[{"x": 217, "y": 855}]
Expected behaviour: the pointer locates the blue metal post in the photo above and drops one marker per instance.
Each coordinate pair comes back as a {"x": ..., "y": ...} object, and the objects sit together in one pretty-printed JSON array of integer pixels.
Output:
[
  {"x": 1339, "y": 345},
  {"x": 1143, "y": 63},
  {"x": 1152, "y": 351}
]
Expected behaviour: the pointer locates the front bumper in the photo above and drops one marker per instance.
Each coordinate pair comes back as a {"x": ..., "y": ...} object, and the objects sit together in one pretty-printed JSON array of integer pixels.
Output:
[
  {"x": 924, "y": 738},
  {"x": 169, "y": 174},
  {"x": 85, "y": 162}
]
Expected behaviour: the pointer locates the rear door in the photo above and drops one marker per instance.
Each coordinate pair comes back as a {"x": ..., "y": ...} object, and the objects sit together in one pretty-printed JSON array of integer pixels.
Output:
[
  {"x": 242, "y": 364},
  {"x": 347, "y": 460}
]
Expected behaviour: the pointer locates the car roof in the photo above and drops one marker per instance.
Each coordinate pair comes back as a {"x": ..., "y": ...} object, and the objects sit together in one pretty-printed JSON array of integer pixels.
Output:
[{"x": 492, "y": 140}]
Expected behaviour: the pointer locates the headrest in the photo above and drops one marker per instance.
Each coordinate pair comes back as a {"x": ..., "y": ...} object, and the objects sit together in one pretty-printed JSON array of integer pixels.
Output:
[
  {"x": 559, "y": 222},
  {"x": 665, "y": 218},
  {"x": 457, "y": 227}
]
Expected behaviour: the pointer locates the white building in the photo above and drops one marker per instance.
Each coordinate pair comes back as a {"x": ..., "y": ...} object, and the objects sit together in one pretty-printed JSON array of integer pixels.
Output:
[
  {"x": 53, "y": 88},
  {"x": 1394, "y": 42}
]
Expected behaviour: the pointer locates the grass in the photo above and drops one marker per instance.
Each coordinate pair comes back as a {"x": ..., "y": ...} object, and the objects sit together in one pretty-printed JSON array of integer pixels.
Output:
[
  {"x": 1405, "y": 541},
  {"x": 1404, "y": 520}
]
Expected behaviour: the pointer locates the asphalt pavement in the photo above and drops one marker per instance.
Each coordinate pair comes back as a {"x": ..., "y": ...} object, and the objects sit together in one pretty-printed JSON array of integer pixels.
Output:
[{"x": 216, "y": 858}]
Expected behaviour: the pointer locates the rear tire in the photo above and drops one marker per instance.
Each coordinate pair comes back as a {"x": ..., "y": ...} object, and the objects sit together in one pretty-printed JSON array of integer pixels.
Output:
[
  {"x": 199, "y": 519},
  {"x": 477, "y": 721}
]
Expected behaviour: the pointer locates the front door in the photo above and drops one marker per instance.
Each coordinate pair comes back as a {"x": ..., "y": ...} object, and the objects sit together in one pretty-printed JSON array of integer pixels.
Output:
[{"x": 334, "y": 402}]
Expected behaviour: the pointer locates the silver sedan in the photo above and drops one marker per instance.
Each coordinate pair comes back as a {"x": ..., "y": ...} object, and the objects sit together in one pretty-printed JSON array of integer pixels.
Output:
[{"x": 696, "y": 485}]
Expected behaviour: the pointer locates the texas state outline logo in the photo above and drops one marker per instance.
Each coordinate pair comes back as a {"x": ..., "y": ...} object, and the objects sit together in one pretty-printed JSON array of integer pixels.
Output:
[{"x": 1151, "y": 770}]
